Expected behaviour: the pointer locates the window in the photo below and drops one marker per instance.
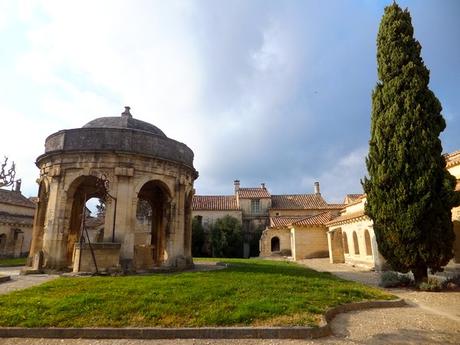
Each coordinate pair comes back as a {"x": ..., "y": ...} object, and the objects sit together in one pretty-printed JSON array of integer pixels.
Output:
[
  {"x": 367, "y": 238},
  {"x": 345, "y": 243},
  {"x": 355, "y": 243},
  {"x": 255, "y": 206}
]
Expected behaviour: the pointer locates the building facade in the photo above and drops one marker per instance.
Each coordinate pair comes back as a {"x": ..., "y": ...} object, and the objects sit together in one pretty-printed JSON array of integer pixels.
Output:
[
  {"x": 269, "y": 220},
  {"x": 351, "y": 237},
  {"x": 16, "y": 221}
]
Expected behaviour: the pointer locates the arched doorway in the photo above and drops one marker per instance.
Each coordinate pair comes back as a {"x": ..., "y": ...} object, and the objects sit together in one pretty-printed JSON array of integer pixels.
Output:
[
  {"x": 275, "y": 244},
  {"x": 155, "y": 198},
  {"x": 81, "y": 190}
]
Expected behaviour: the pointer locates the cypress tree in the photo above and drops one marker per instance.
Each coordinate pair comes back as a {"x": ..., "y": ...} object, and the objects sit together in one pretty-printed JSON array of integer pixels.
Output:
[{"x": 409, "y": 191}]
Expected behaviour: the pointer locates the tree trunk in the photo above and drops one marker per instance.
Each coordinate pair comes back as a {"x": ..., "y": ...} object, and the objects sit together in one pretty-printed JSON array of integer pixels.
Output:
[{"x": 420, "y": 274}]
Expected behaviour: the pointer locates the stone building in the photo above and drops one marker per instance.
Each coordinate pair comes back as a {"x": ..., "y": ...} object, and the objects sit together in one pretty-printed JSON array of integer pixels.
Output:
[
  {"x": 297, "y": 226},
  {"x": 16, "y": 220},
  {"x": 351, "y": 237},
  {"x": 453, "y": 166},
  {"x": 257, "y": 210},
  {"x": 124, "y": 161}
]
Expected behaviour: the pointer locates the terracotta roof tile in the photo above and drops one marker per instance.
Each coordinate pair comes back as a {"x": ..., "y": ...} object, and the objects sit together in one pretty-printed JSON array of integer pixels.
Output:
[
  {"x": 93, "y": 222},
  {"x": 452, "y": 158},
  {"x": 250, "y": 193},
  {"x": 214, "y": 202},
  {"x": 352, "y": 198},
  {"x": 15, "y": 198},
  {"x": 282, "y": 221},
  {"x": 346, "y": 218},
  {"x": 298, "y": 202},
  {"x": 9, "y": 218},
  {"x": 319, "y": 219},
  {"x": 335, "y": 206}
]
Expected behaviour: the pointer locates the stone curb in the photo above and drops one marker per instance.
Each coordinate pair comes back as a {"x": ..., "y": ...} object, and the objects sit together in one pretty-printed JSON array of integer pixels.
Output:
[
  {"x": 4, "y": 279},
  {"x": 198, "y": 333}
]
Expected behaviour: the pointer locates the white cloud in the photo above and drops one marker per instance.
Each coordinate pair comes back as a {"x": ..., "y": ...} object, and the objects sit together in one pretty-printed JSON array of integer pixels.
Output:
[{"x": 344, "y": 176}]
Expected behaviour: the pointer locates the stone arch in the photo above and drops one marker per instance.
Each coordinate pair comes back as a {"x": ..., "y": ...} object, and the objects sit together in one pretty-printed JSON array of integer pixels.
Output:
[
  {"x": 367, "y": 239},
  {"x": 39, "y": 219},
  {"x": 158, "y": 196},
  {"x": 81, "y": 189},
  {"x": 355, "y": 243},
  {"x": 275, "y": 244},
  {"x": 345, "y": 243}
]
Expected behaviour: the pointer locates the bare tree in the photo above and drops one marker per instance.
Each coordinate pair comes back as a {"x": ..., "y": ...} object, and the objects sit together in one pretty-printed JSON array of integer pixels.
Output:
[{"x": 7, "y": 175}]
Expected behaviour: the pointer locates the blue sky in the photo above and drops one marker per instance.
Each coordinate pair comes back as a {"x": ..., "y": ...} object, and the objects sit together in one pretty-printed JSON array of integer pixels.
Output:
[{"x": 262, "y": 91}]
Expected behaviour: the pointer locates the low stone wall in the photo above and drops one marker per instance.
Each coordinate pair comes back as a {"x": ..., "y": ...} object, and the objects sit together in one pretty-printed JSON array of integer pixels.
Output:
[
  {"x": 143, "y": 257},
  {"x": 107, "y": 256}
]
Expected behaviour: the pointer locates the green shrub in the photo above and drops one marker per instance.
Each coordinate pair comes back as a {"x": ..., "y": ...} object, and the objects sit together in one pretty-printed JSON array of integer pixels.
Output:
[
  {"x": 394, "y": 279},
  {"x": 432, "y": 284},
  {"x": 451, "y": 283}
]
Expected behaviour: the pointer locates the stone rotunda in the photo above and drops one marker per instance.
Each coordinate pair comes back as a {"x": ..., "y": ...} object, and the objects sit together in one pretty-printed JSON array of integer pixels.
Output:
[{"x": 125, "y": 162}]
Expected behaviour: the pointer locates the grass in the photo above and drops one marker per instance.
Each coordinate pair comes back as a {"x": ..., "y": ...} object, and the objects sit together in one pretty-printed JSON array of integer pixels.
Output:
[
  {"x": 13, "y": 262},
  {"x": 248, "y": 293}
]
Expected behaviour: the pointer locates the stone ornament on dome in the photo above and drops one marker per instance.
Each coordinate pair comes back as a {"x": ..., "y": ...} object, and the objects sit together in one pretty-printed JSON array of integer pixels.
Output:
[{"x": 127, "y": 113}]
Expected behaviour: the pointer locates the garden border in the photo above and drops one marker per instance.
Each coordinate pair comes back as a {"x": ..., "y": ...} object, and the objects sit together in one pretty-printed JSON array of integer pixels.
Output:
[{"x": 323, "y": 330}]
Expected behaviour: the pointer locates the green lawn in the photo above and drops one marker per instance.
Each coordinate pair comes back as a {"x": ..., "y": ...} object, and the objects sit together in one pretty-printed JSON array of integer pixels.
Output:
[
  {"x": 13, "y": 262},
  {"x": 249, "y": 292}
]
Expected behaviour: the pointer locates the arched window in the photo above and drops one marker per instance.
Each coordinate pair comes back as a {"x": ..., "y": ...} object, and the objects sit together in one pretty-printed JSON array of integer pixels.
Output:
[
  {"x": 275, "y": 244},
  {"x": 355, "y": 242},
  {"x": 345, "y": 243},
  {"x": 367, "y": 239},
  {"x": 2, "y": 244}
]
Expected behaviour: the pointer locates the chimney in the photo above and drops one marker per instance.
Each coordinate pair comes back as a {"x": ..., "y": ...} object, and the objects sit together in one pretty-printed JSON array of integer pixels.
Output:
[
  {"x": 237, "y": 185},
  {"x": 18, "y": 186},
  {"x": 262, "y": 185},
  {"x": 317, "y": 192}
]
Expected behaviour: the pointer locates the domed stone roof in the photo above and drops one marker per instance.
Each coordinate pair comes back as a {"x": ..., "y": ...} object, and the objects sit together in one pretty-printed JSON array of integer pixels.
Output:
[
  {"x": 118, "y": 134},
  {"x": 126, "y": 120}
]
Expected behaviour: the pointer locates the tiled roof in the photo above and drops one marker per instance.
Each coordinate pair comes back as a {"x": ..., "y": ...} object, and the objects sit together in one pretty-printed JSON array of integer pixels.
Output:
[
  {"x": 351, "y": 198},
  {"x": 298, "y": 202},
  {"x": 452, "y": 158},
  {"x": 335, "y": 206},
  {"x": 93, "y": 222},
  {"x": 344, "y": 218},
  {"x": 9, "y": 218},
  {"x": 282, "y": 221},
  {"x": 214, "y": 202},
  {"x": 319, "y": 219},
  {"x": 15, "y": 198},
  {"x": 250, "y": 193}
]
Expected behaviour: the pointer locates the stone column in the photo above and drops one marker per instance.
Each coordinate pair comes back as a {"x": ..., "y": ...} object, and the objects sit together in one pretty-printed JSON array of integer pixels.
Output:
[
  {"x": 54, "y": 244},
  {"x": 124, "y": 228}
]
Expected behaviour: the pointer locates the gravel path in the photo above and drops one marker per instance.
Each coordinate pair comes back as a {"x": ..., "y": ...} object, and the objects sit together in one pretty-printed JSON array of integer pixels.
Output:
[{"x": 19, "y": 282}]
